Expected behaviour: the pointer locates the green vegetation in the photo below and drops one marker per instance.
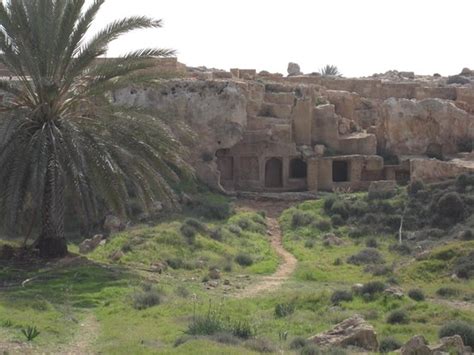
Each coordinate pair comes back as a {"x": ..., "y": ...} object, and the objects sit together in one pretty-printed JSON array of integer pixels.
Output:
[{"x": 329, "y": 70}]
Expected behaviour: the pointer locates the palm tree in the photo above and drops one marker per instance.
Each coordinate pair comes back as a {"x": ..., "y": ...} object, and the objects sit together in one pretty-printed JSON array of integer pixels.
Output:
[
  {"x": 330, "y": 70},
  {"x": 61, "y": 134}
]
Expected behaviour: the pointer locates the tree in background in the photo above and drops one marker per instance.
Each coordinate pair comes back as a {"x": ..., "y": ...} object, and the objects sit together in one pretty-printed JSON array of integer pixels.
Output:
[
  {"x": 61, "y": 133},
  {"x": 330, "y": 70}
]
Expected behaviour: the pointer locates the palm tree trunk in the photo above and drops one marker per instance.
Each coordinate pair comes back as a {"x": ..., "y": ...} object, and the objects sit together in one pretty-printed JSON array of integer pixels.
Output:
[{"x": 52, "y": 242}]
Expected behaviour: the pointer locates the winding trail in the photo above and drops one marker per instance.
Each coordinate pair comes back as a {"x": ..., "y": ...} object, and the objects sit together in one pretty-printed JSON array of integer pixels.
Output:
[{"x": 287, "y": 260}]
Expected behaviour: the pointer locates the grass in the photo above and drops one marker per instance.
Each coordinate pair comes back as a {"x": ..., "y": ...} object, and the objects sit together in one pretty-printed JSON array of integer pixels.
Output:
[{"x": 58, "y": 298}]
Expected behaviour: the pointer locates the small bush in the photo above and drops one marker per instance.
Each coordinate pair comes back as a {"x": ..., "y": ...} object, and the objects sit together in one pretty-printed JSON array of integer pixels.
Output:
[
  {"x": 379, "y": 270},
  {"x": 467, "y": 235},
  {"x": 298, "y": 343},
  {"x": 340, "y": 207},
  {"x": 189, "y": 233},
  {"x": 463, "y": 329},
  {"x": 447, "y": 292},
  {"x": 235, "y": 229},
  {"x": 213, "y": 208},
  {"x": 402, "y": 249},
  {"x": 450, "y": 206},
  {"x": 244, "y": 259},
  {"x": 323, "y": 225},
  {"x": 369, "y": 218},
  {"x": 358, "y": 208},
  {"x": 226, "y": 338},
  {"x": 372, "y": 243},
  {"x": 398, "y": 316},
  {"x": 366, "y": 256},
  {"x": 301, "y": 219},
  {"x": 372, "y": 288},
  {"x": 284, "y": 309},
  {"x": 416, "y": 295},
  {"x": 337, "y": 220},
  {"x": 464, "y": 180},
  {"x": 260, "y": 345},
  {"x": 389, "y": 344},
  {"x": 309, "y": 244},
  {"x": 338, "y": 262},
  {"x": 242, "y": 330},
  {"x": 209, "y": 324},
  {"x": 415, "y": 187},
  {"x": 356, "y": 232},
  {"x": 339, "y": 296},
  {"x": 328, "y": 202},
  {"x": 217, "y": 234},
  {"x": 464, "y": 267},
  {"x": 182, "y": 291},
  {"x": 146, "y": 298}
]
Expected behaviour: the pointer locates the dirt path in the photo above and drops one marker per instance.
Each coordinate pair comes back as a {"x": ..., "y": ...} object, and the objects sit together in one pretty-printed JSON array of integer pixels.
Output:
[
  {"x": 287, "y": 260},
  {"x": 84, "y": 338}
]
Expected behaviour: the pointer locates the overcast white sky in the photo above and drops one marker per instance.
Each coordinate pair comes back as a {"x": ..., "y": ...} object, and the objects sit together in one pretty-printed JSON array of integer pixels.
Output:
[{"x": 361, "y": 37}]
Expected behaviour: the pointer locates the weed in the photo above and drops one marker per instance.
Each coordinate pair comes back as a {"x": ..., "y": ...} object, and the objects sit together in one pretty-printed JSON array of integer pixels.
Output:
[
  {"x": 339, "y": 296},
  {"x": 416, "y": 295},
  {"x": 389, "y": 344},
  {"x": 301, "y": 219},
  {"x": 284, "y": 309},
  {"x": 30, "y": 332},
  {"x": 146, "y": 298},
  {"x": 366, "y": 256},
  {"x": 398, "y": 316},
  {"x": 298, "y": 343}
]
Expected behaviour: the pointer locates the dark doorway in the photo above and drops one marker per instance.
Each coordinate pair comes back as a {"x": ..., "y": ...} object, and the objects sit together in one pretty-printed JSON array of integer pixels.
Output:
[
  {"x": 340, "y": 171},
  {"x": 274, "y": 173},
  {"x": 298, "y": 169}
]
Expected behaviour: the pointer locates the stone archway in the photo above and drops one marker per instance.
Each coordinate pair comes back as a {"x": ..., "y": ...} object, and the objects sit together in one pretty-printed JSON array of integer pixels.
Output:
[{"x": 274, "y": 173}]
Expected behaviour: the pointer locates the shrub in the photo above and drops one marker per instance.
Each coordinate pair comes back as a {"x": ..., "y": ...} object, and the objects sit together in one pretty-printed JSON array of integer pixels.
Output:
[
  {"x": 467, "y": 235},
  {"x": 463, "y": 329},
  {"x": 260, "y": 345},
  {"x": 464, "y": 180},
  {"x": 379, "y": 270},
  {"x": 402, "y": 249},
  {"x": 416, "y": 295},
  {"x": 358, "y": 208},
  {"x": 372, "y": 288},
  {"x": 213, "y": 208},
  {"x": 146, "y": 298},
  {"x": 389, "y": 344},
  {"x": 341, "y": 208},
  {"x": 337, "y": 220},
  {"x": 369, "y": 218},
  {"x": 338, "y": 262},
  {"x": 323, "y": 225},
  {"x": 447, "y": 292},
  {"x": 339, "y": 296},
  {"x": 216, "y": 234},
  {"x": 356, "y": 232},
  {"x": 182, "y": 291},
  {"x": 450, "y": 206},
  {"x": 226, "y": 338},
  {"x": 464, "y": 267},
  {"x": 244, "y": 259},
  {"x": 398, "y": 316},
  {"x": 309, "y": 244},
  {"x": 233, "y": 228},
  {"x": 189, "y": 233},
  {"x": 242, "y": 329},
  {"x": 301, "y": 219},
  {"x": 298, "y": 343},
  {"x": 415, "y": 187},
  {"x": 328, "y": 202},
  {"x": 284, "y": 309},
  {"x": 372, "y": 243},
  {"x": 366, "y": 256}
]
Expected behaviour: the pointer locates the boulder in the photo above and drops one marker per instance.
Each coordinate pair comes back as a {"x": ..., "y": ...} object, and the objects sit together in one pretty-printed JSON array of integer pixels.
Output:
[
  {"x": 416, "y": 346},
  {"x": 467, "y": 72},
  {"x": 352, "y": 332},
  {"x": 453, "y": 344},
  {"x": 294, "y": 69},
  {"x": 90, "y": 245},
  {"x": 395, "y": 292}
]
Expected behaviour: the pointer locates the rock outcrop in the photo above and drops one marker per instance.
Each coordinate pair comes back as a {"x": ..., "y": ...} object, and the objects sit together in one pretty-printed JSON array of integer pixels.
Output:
[
  {"x": 409, "y": 127},
  {"x": 215, "y": 111},
  {"x": 354, "y": 331},
  {"x": 448, "y": 345}
]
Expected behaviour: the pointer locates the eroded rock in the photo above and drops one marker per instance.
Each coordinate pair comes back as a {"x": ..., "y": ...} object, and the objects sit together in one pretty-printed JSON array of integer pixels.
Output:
[{"x": 354, "y": 331}]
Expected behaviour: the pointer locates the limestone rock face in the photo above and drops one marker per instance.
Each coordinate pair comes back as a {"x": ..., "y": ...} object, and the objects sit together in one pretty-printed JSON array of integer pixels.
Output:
[
  {"x": 435, "y": 170},
  {"x": 409, "y": 127},
  {"x": 293, "y": 69},
  {"x": 215, "y": 111},
  {"x": 354, "y": 331}
]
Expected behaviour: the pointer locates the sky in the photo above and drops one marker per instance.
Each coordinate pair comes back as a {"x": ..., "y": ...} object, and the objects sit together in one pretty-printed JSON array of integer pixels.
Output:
[{"x": 360, "y": 37}]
